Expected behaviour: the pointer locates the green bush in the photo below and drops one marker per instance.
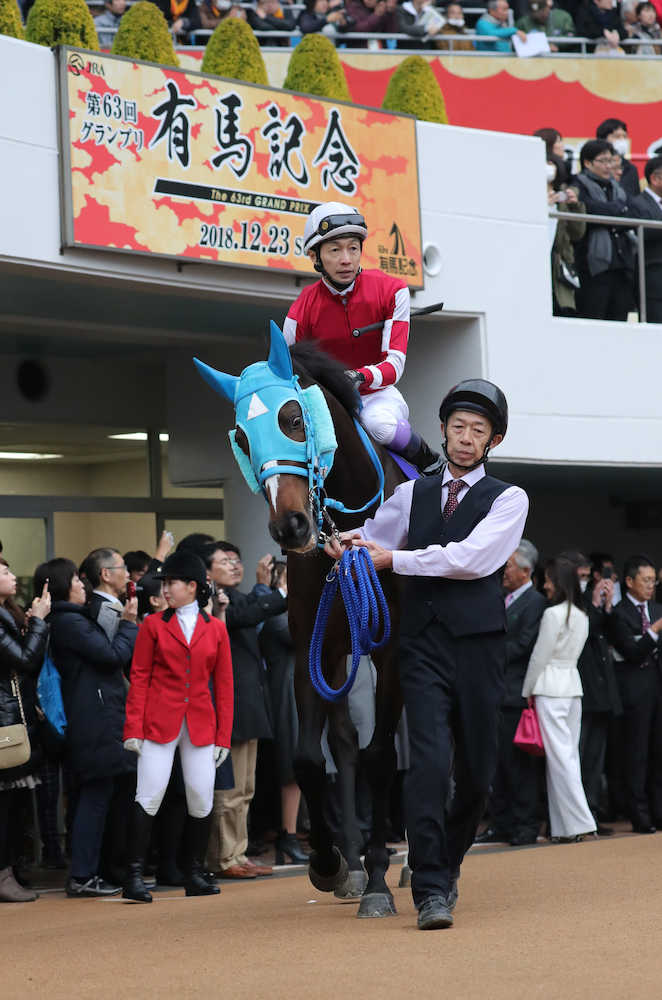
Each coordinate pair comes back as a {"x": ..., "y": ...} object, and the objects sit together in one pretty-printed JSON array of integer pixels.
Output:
[
  {"x": 143, "y": 34},
  {"x": 413, "y": 90},
  {"x": 62, "y": 22},
  {"x": 10, "y": 19},
  {"x": 315, "y": 68},
  {"x": 233, "y": 51}
]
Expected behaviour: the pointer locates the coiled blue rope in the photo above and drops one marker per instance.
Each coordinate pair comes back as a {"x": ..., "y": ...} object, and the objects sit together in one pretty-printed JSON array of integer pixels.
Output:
[{"x": 367, "y": 615}]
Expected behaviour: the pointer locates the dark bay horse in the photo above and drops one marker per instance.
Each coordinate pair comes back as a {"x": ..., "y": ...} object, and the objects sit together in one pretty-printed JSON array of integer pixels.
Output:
[{"x": 293, "y": 524}]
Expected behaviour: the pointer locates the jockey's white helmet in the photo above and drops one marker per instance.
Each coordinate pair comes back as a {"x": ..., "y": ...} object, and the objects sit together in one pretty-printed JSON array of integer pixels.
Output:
[{"x": 330, "y": 220}]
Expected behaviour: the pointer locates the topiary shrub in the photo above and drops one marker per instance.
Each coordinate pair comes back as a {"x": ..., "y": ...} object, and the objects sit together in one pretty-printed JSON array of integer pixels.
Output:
[
  {"x": 62, "y": 22},
  {"x": 233, "y": 51},
  {"x": 10, "y": 19},
  {"x": 315, "y": 68},
  {"x": 143, "y": 34},
  {"x": 413, "y": 90}
]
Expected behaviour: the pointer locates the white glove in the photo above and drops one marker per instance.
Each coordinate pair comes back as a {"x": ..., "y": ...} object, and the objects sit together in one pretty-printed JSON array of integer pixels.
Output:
[
  {"x": 134, "y": 745},
  {"x": 220, "y": 755}
]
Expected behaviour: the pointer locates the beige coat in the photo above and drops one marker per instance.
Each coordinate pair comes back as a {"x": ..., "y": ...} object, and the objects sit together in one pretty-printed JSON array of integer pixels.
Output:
[{"x": 552, "y": 669}]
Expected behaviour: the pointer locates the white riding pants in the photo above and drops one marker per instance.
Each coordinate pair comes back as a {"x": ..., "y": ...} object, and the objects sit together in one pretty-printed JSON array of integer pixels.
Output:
[
  {"x": 560, "y": 722},
  {"x": 155, "y": 768},
  {"x": 381, "y": 412}
]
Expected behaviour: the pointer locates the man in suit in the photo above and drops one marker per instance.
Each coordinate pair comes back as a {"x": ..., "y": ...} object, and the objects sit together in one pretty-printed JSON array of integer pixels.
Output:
[
  {"x": 515, "y": 785},
  {"x": 251, "y": 709},
  {"x": 648, "y": 205},
  {"x": 636, "y": 624}
]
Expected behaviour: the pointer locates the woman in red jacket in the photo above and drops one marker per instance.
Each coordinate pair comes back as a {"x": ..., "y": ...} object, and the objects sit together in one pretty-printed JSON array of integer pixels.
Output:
[{"x": 177, "y": 654}]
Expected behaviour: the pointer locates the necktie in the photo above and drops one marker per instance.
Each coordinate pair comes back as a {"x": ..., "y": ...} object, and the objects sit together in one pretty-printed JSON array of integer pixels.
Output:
[
  {"x": 645, "y": 621},
  {"x": 451, "y": 505},
  {"x": 509, "y": 600}
]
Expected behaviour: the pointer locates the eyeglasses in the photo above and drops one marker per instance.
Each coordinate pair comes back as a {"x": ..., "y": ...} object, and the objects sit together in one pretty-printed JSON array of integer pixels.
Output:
[
  {"x": 602, "y": 159},
  {"x": 229, "y": 562},
  {"x": 123, "y": 566}
]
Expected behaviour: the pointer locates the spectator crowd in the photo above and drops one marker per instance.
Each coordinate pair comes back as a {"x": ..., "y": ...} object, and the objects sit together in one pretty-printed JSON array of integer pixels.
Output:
[
  {"x": 595, "y": 267},
  {"x": 490, "y": 25},
  {"x": 145, "y": 803}
]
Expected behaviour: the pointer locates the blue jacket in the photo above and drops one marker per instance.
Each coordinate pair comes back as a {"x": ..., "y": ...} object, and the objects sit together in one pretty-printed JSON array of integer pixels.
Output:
[{"x": 486, "y": 25}]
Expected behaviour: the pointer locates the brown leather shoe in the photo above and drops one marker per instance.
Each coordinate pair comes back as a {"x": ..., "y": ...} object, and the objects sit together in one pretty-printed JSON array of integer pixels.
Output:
[
  {"x": 258, "y": 869},
  {"x": 11, "y": 891},
  {"x": 236, "y": 871}
]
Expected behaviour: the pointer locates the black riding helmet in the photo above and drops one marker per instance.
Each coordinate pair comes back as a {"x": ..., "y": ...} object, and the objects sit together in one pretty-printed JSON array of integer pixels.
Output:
[{"x": 478, "y": 396}]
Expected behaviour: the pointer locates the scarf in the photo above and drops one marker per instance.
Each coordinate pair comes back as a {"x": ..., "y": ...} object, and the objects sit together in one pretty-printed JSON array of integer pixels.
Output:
[{"x": 600, "y": 247}]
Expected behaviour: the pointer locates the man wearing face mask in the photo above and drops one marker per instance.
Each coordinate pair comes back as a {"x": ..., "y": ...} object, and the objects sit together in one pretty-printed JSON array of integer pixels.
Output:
[
  {"x": 455, "y": 26},
  {"x": 615, "y": 131}
]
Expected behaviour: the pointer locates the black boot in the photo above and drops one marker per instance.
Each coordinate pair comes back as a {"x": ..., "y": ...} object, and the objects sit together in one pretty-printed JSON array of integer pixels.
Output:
[
  {"x": 420, "y": 454},
  {"x": 140, "y": 832},
  {"x": 287, "y": 844},
  {"x": 197, "y": 837}
]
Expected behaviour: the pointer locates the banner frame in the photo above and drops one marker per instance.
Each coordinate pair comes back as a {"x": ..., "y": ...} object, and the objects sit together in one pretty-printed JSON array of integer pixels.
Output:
[{"x": 61, "y": 53}]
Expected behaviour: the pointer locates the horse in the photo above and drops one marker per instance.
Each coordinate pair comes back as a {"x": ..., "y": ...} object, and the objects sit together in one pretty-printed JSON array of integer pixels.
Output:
[{"x": 286, "y": 447}]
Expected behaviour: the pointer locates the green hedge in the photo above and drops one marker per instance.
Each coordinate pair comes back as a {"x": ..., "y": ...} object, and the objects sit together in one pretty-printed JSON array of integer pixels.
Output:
[
  {"x": 315, "y": 68},
  {"x": 143, "y": 34},
  {"x": 233, "y": 51},
  {"x": 413, "y": 90},
  {"x": 62, "y": 22},
  {"x": 10, "y": 19}
]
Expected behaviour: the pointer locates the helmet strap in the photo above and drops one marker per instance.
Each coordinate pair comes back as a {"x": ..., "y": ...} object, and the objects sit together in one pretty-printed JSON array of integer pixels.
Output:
[
  {"x": 466, "y": 468},
  {"x": 319, "y": 267}
]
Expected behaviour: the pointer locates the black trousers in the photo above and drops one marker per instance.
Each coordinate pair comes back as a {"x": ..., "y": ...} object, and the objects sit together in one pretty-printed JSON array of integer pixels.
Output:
[
  {"x": 606, "y": 296},
  {"x": 514, "y": 801},
  {"x": 592, "y": 755},
  {"x": 94, "y": 798},
  {"x": 642, "y": 739},
  {"x": 452, "y": 690}
]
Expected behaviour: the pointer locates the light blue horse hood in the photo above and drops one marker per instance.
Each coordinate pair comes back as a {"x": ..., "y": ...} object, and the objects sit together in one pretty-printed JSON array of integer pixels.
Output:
[{"x": 258, "y": 396}]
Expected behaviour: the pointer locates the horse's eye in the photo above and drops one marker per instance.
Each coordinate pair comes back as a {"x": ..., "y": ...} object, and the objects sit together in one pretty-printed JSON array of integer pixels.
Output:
[
  {"x": 290, "y": 421},
  {"x": 297, "y": 422},
  {"x": 242, "y": 441}
]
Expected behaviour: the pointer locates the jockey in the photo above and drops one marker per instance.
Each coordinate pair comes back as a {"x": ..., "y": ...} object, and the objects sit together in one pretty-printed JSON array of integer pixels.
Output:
[{"x": 346, "y": 298}]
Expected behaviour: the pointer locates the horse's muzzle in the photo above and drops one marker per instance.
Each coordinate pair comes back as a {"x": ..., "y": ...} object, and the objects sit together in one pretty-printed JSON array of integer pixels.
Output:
[{"x": 293, "y": 530}]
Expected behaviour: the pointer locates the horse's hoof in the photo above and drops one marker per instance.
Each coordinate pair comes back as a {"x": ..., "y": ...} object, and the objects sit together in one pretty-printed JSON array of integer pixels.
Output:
[
  {"x": 352, "y": 887},
  {"x": 405, "y": 877},
  {"x": 327, "y": 883},
  {"x": 377, "y": 904}
]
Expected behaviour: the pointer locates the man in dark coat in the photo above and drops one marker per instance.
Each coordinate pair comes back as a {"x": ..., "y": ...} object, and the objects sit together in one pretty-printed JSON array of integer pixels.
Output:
[
  {"x": 635, "y": 627},
  {"x": 515, "y": 786},
  {"x": 251, "y": 710},
  {"x": 92, "y": 668},
  {"x": 601, "y": 701},
  {"x": 615, "y": 131},
  {"x": 648, "y": 205}
]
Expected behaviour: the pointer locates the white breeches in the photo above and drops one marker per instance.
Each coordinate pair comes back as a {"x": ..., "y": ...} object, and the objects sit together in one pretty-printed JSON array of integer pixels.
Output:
[
  {"x": 381, "y": 412},
  {"x": 560, "y": 721},
  {"x": 155, "y": 768}
]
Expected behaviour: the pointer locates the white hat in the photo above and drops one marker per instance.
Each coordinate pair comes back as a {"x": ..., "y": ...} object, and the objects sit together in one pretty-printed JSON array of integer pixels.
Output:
[{"x": 330, "y": 220}]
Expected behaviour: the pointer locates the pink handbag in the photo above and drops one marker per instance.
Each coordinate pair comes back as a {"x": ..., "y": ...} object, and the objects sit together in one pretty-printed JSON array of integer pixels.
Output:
[{"x": 527, "y": 735}]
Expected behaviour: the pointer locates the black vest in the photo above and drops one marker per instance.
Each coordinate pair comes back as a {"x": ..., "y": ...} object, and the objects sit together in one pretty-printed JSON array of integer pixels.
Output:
[{"x": 464, "y": 607}]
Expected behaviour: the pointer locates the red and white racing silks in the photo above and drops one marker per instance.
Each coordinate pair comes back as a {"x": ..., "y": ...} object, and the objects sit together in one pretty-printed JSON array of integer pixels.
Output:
[{"x": 328, "y": 316}]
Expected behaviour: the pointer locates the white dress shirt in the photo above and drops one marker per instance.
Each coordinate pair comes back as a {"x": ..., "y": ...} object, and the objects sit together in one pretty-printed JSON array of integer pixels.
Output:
[
  {"x": 639, "y": 604},
  {"x": 187, "y": 616},
  {"x": 481, "y": 553},
  {"x": 514, "y": 594}
]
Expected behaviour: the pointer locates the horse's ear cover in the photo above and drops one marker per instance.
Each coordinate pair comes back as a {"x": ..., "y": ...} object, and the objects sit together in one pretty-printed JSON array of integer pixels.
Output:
[
  {"x": 320, "y": 415},
  {"x": 244, "y": 463}
]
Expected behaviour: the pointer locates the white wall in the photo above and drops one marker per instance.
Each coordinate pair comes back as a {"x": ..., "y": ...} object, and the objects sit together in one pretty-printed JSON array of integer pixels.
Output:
[{"x": 579, "y": 391}]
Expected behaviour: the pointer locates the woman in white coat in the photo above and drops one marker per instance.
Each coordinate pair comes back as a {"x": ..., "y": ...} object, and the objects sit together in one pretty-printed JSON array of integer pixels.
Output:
[{"x": 552, "y": 681}]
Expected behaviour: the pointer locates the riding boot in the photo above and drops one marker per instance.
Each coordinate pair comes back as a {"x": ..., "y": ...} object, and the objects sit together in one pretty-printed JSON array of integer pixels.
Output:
[
  {"x": 140, "y": 831},
  {"x": 172, "y": 820},
  {"x": 196, "y": 838},
  {"x": 420, "y": 454}
]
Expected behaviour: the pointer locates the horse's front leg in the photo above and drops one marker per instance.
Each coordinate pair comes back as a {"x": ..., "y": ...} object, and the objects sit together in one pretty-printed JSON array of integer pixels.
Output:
[
  {"x": 379, "y": 761},
  {"x": 344, "y": 745},
  {"x": 327, "y": 867}
]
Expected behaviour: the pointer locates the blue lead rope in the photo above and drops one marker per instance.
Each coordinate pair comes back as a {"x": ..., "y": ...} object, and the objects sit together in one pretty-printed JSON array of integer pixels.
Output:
[{"x": 367, "y": 613}]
